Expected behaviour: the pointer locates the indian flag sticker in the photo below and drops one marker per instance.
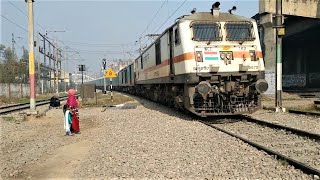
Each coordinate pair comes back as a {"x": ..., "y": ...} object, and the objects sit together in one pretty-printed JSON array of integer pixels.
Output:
[{"x": 211, "y": 56}]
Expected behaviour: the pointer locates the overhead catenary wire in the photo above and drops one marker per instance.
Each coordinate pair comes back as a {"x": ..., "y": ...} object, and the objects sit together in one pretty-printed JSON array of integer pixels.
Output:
[
  {"x": 14, "y": 23},
  {"x": 25, "y": 14},
  {"x": 171, "y": 15},
  {"x": 154, "y": 17},
  {"x": 97, "y": 44}
]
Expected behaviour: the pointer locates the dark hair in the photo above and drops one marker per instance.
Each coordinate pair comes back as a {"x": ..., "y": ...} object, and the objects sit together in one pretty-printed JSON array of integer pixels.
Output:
[{"x": 65, "y": 107}]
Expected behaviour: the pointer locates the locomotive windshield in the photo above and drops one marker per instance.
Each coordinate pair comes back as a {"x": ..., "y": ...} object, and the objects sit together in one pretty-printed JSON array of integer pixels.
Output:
[
  {"x": 239, "y": 31},
  {"x": 206, "y": 32}
]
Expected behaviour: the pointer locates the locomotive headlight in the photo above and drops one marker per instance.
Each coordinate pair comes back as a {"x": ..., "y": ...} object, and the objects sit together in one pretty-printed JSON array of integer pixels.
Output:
[
  {"x": 222, "y": 55},
  {"x": 253, "y": 55},
  {"x": 229, "y": 55},
  {"x": 199, "y": 56}
]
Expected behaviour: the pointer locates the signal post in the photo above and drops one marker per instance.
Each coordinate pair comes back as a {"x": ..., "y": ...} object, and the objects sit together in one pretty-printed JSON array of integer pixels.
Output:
[
  {"x": 111, "y": 74},
  {"x": 104, "y": 63}
]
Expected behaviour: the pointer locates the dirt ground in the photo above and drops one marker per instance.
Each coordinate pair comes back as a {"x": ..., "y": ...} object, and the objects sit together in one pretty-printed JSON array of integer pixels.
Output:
[
  {"x": 291, "y": 101},
  {"x": 37, "y": 148},
  {"x": 42, "y": 148}
]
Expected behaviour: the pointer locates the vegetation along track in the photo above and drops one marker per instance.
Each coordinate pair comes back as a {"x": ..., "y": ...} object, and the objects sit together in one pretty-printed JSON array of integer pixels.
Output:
[
  {"x": 18, "y": 107},
  {"x": 296, "y": 147}
]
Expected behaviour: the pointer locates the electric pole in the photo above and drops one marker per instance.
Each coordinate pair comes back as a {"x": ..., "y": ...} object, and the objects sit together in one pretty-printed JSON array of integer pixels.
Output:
[
  {"x": 39, "y": 65},
  {"x": 104, "y": 64},
  {"x": 280, "y": 31},
  {"x": 31, "y": 57},
  {"x": 57, "y": 70},
  {"x": 65, "y": 69},
  {"x": 82, "y": 68}
]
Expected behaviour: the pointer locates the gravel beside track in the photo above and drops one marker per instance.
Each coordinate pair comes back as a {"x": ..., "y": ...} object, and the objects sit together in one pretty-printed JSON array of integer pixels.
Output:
[
  {"x": 303, "y": 122},
  {"x": 291, "y": 145},
  {"x": 151, "y": 141}
]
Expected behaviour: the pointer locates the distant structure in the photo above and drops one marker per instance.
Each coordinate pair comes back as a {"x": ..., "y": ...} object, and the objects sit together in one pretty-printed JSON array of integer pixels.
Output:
[{"x": 300, "y": 44}]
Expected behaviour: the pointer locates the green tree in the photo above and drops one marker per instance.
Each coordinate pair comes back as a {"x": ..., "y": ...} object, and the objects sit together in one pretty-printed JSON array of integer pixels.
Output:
[
  {"x": 11, "y": 69},
  {"x": 2, "y": 48},
  {"x": 24, "y": 63},
  {"x": 10, "y": 66}
]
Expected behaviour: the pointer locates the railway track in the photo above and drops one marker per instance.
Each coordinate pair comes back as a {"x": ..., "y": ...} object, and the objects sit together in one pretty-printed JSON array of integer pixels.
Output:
[
  {"x": 18, "y": 107},
  {"x": 293, "y": 146}
]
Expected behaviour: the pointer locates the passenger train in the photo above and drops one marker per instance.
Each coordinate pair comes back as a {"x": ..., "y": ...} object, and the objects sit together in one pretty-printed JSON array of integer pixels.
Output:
[{"x": 208, "y": 63}]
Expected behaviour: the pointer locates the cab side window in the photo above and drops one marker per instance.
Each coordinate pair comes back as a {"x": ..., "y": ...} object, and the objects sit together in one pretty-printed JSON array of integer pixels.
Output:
[{"x": 177, "y": 40}]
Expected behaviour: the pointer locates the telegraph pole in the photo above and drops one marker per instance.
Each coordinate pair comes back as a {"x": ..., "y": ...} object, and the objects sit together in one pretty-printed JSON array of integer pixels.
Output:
[
  {"x": 31, "y": 57},
  {"x": 279, "y": 33}
]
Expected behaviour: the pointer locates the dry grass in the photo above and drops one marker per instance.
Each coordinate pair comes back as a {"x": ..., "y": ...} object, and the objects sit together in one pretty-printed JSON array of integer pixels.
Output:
[{"x": 105, "y": 99}]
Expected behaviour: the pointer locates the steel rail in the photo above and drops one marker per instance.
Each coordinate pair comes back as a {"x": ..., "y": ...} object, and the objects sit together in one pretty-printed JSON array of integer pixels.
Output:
[
  {"x": 278, "y": 126},
  {"x": 17, "y": 107},
  {"x": 304, "y": 112},
  {"x": 305, "y": 168},
  {"x": 20, "y": 104}
]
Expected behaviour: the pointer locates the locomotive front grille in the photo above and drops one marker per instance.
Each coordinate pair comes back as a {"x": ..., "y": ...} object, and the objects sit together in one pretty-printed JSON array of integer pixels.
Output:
[{"x": 226, "y": 104}]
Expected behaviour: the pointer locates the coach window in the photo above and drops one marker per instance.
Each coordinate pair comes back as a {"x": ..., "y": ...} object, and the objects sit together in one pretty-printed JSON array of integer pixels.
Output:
[
  {"x": 176, "y": 37},
  {"x": 137, "y": 64},
  {"x": 122, "y": 77},
  {"x": 141, "y": 62},
  {"x": 158, "y": 53},
  {"x": 125, "y": 76}
]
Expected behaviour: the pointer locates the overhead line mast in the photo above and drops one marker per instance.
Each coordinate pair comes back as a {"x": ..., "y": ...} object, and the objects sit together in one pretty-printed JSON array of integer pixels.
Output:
[{"x": 31, "y": 57}]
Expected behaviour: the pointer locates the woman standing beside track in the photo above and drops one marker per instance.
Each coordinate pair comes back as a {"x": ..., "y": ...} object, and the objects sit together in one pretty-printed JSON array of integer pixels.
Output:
[{"x": 73, "y": 103}]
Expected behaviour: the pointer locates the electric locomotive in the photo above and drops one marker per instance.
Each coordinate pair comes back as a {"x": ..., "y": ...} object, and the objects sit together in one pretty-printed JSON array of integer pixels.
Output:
[{"x": 209, "y": 63}]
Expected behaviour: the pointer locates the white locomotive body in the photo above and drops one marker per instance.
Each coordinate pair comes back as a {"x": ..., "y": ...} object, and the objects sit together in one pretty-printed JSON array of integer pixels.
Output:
[{"x": 209, "y": 63}]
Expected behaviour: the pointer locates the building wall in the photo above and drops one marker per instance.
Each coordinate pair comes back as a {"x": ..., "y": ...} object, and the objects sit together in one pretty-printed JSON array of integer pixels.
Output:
[
  {"x": 305, "y": 8},
  {"x": 16, "y": 90},
  {"x": 299, "y": 54}
]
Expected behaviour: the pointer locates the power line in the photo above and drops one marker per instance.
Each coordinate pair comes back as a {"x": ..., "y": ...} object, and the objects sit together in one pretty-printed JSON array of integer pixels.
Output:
[
  {"x": 172, "y": 14},
  {"x": 154, "y": 17},
  {"x": 96, "y": 44},
  {"x": 25, "y": 14},
  {"x": 14, "y": 23}
]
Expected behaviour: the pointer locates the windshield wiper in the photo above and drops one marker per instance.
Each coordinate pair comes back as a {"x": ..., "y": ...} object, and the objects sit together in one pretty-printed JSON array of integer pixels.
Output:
[
  {"x": 241, "y": 42},
  {"x": 214, "y": 36}
]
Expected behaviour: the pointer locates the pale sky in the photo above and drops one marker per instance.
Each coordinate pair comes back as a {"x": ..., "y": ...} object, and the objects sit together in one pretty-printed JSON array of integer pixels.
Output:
[{"x": 98, "y": 29}]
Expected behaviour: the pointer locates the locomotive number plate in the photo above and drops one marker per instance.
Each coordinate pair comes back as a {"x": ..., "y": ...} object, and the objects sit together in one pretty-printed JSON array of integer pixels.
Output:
[
  {"x": 253, "y": 67},
  {"x": 208, "y": 49},
  {"x": 242, "y": 48}
]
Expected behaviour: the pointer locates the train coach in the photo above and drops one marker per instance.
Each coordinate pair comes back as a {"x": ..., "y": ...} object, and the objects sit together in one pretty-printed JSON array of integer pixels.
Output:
[{"x": 209, "y": 63}]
